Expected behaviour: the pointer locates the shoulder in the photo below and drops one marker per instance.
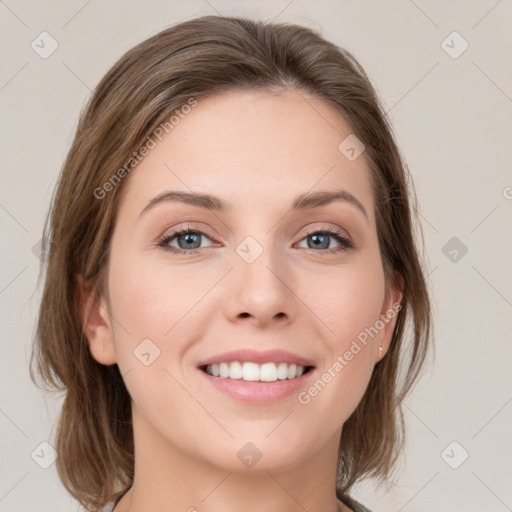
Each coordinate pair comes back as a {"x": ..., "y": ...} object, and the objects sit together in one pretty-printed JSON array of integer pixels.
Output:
[
  {"x": 109, "y": 507},
  {"x": 354, "y": 505}
]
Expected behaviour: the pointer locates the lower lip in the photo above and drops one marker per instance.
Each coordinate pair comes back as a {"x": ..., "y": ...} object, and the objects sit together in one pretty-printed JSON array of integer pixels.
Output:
[{"x": 257, "y": 392}]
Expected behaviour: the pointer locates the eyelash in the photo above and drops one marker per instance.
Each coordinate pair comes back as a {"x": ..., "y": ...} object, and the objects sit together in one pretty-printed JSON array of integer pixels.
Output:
[{"x": 166, "y": 239}]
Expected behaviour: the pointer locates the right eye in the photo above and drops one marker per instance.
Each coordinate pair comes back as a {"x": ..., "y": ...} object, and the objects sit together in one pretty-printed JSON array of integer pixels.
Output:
[{"x": 186, "y": 238}]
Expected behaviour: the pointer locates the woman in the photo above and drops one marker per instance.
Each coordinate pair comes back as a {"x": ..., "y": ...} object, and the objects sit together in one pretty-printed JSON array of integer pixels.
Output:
[{"x": 230, "y": 270}]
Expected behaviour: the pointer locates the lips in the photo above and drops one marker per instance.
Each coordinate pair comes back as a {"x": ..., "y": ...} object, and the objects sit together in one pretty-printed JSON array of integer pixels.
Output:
[
  {"x": 259, "y": 357},
  {"x": 257, "y": 392}
]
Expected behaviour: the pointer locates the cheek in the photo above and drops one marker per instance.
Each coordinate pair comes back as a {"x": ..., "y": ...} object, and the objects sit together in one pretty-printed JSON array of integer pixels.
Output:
[
  {"x": 155, "y": 311},
  {"x": 163, "y": 304},
  {"x": 173, "y": 308},
  {"x": 347, "y": 301},
  {"x": 151, "y": 297},
  {"x": 156, "y": 302}
]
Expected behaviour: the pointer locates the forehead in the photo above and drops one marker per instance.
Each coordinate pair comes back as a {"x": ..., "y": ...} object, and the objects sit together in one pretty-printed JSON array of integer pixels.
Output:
[{"x": 253, "y": 149}]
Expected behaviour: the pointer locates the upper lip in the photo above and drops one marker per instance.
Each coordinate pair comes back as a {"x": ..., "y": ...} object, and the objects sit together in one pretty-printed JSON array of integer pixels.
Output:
[{"x": 259, "y": 357}]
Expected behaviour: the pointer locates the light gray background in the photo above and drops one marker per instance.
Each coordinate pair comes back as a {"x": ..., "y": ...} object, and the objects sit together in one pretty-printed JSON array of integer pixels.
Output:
[{"x": 452, "y": 121}]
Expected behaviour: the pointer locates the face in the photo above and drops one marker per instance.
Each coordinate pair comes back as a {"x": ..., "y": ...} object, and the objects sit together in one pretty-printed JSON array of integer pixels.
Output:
[{"x": 263, "y": 273}]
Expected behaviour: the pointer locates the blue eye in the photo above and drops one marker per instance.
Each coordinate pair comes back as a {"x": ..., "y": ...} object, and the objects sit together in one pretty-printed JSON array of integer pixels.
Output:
[
  {"x": 189, "y": 241},
  {"x": 320, "y": 240}
]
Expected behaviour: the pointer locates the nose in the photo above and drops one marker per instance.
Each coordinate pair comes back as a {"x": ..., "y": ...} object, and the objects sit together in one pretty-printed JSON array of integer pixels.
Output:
[{"x": 261, "y": 292}]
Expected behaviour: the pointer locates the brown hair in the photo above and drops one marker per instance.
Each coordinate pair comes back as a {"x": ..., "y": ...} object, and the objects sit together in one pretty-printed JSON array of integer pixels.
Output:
[{"x": 196, "y": 59}]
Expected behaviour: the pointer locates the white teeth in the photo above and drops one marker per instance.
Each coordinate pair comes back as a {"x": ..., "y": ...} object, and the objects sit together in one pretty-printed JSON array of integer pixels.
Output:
[
  {"x": 224, "y": 370},
  {"x": 235, "y": 370},
  {"x": 282, "y": 371},
  {"x": 250, "y": 371},
  {"x": 268, "y": 372}
]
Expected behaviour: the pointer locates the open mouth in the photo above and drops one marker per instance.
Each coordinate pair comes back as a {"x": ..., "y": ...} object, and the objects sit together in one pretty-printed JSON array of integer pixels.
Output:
[{"x": 253, "y": 372}]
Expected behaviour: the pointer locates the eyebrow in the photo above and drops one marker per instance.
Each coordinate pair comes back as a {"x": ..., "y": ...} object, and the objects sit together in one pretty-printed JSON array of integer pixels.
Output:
[{"x": 210, "y": 202}]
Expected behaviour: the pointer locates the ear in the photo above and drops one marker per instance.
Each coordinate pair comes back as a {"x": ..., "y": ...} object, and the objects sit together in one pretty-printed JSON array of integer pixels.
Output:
[
  {"x": 388, "y": 315},
  {"x": 96, "y": 322}
]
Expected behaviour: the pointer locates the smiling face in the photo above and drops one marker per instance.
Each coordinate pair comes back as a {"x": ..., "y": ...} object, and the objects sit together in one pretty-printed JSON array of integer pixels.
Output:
[{"x": 266, "y": 271}]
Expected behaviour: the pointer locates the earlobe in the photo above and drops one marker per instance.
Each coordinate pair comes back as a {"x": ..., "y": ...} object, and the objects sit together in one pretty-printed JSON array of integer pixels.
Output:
[{"x": 96, "y": 324}]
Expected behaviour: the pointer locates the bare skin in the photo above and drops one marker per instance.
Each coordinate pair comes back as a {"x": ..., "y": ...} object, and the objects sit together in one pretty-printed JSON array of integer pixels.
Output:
[{"x": 258, "y": 151}]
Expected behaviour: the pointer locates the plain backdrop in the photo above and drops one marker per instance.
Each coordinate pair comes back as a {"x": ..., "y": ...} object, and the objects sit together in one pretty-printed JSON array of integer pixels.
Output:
[{"x": 443, "y": 71}]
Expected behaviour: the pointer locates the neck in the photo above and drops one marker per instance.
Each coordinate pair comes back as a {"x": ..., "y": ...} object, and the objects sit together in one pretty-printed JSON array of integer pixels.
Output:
[{"x": 167, "y": 478}]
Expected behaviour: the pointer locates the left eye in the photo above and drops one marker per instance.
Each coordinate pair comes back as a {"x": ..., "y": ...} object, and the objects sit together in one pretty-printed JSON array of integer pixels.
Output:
[
  {"x": 320, "y": 239},
  {"x": 189, "y": 240}
]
